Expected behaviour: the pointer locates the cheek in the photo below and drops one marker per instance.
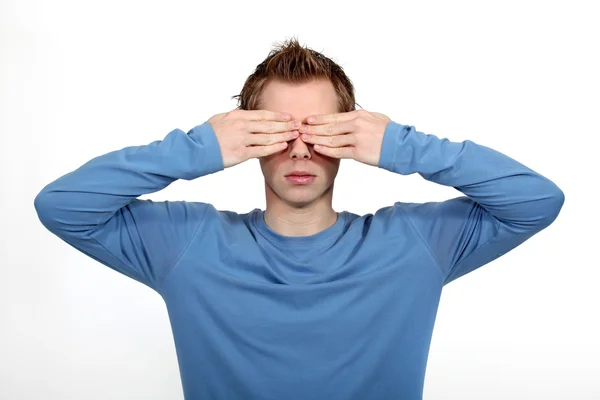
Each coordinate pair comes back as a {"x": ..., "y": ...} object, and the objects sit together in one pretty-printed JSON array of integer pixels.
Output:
[
  {"x": 271, "y": 164},
  {"x": 333, "y": 167},
  {"x": 331, "y": 163}
]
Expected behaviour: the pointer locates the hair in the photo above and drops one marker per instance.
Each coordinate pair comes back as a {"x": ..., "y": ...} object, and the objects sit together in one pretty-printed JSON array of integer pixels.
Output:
[{"x": 289, "y": 62}]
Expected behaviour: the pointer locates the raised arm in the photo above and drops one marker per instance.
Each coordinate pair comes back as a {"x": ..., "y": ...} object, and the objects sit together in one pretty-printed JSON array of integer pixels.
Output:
[
  {"x": 95, "y": 207},
  {"x": 505, "y": 202}
]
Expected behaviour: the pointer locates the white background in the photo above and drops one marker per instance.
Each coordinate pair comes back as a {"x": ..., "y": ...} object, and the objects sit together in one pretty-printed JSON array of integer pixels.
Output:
[{"x": 80, "y": 78}]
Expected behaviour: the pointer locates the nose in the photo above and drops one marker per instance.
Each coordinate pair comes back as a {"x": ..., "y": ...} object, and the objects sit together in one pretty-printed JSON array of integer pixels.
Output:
[{"x": 299, "y": 149}]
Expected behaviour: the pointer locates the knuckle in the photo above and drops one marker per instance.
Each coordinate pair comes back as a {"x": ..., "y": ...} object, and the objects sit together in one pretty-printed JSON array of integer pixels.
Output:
[
  {"x": 243, "y": 153},
  {"x": 238, "y": 124},
  {"x": 243, "y": 142}
]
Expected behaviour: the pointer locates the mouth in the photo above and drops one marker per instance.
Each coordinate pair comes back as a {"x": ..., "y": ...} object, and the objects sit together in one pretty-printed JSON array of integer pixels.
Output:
[
  {"x": 300, "y": 179},
  {"x": 300, "y": 172}
]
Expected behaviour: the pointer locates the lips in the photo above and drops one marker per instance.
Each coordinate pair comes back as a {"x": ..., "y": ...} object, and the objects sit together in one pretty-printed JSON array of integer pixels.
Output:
[
  {"x": 300, "y": 173},
  {"x": 300, "y": 179}
]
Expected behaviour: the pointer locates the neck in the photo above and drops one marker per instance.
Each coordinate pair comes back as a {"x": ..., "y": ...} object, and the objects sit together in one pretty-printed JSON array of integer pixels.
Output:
[{"x": 300, "y": 219}]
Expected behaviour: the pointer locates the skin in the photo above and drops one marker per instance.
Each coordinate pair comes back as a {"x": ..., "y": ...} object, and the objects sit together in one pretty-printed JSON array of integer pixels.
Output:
[{"x": 292, "y": 209}]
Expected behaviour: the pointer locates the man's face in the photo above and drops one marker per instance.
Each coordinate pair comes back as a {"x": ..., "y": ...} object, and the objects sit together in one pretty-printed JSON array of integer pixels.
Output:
[{"x": 300, "y": 101}]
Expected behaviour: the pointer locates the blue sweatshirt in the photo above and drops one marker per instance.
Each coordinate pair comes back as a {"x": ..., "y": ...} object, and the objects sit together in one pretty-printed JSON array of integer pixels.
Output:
[{"x": 346, "y": 313}]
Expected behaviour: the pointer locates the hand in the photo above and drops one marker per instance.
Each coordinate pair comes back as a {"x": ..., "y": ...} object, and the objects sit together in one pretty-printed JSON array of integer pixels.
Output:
[
  {"x": 356, "y": 134},
  {"x": 245, "y": 134}
]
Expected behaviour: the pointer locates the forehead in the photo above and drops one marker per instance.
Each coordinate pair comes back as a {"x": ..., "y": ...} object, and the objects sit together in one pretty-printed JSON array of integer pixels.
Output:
[{"x": 300, "y": 100}]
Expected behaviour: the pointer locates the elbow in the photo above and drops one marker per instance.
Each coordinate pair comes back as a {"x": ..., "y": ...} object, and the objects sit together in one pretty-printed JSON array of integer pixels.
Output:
[
  {"x": 558, "y": 203},
  {"x": 554, "y": 207},
  {"x": 43, "y": 209}
]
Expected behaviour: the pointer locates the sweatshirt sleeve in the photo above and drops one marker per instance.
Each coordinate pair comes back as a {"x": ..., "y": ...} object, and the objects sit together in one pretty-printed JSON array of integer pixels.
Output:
[
  {"x": 505, "y": 202},
  {"x": 95, "y": 207}
]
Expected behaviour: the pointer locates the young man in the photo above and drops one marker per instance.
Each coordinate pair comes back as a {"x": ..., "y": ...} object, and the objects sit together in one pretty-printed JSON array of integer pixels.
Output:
[{"x": 299, "y": 301}]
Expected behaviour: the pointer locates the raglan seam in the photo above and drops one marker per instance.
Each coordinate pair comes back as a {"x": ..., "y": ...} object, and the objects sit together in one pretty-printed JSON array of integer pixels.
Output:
[
  {"x": 431, "y": 253},
  {"x": 160, "y": 281}
]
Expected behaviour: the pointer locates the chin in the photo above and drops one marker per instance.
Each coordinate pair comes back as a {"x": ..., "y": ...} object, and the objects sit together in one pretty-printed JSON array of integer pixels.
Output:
[
  {"x": 298, "y": 203},
  {"x": 302, "y": 196},
  {"x": 307, "y": 197}
]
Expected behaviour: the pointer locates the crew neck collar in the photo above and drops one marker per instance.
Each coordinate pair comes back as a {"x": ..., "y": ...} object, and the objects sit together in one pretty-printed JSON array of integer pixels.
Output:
[{"x": 315, "y": 240}]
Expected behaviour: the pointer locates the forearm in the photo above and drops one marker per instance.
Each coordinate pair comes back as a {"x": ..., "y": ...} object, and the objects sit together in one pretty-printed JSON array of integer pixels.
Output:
[
  {"x": 507, "y": 189},
  {"x": 89, "y": 195}
]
